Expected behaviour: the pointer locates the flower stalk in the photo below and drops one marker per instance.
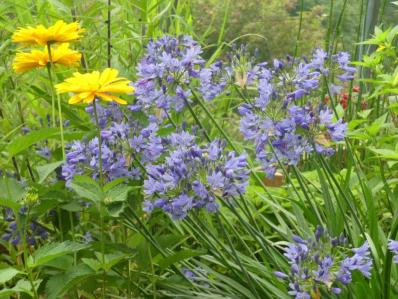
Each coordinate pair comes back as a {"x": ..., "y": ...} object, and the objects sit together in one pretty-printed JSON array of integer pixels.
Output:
[
  {"x": 101, "y": 182},
  {"x": 50, "y": 68}
]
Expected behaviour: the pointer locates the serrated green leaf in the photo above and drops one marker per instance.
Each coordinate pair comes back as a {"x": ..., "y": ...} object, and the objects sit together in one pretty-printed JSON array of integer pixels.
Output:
[
  {"x": 52, "y": 251},
  {"x": 92, "y": 263},
  {"x": 87, "y": 188},
  {"x": 111, "y": 259},
  {"x": 45, "y": 170},
  {"x": 117, "y": 193},
  {"x": 11, "y": 192},
  {"x": 377, "y": 125},
  {"x": 386, "y": 153},
  {"x": 58, "y": 285},
  {"x": 22, "y": 286},
  {"x": 365, "y": 113},
  {"x": 7, "y": 274}
]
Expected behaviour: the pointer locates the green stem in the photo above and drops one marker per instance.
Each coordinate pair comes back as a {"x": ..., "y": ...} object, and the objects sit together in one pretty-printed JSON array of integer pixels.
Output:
[
  {"x": 299, "y": 29},
  {"x": 73, "y": 236},
  {"x": 170, "y": 119},
  {"x": 214, "y": 121},
  {"x": 60, "y": 223},
  {"x": 50, "y": 67},
  {"x": 25, "y": 253},
  {"x": 101, "y": 175},
  {"x": 330, "y": 174},
  {"x": 235, "y": 255},
  {"x": 109, "y": 45},
  {"x": 306, "y": 194},
  {"x": 22, "y": 123},
  {"x": 329, "y": 33},
  {"x": 197, "y": 120},
  {"x": 149, "y": 237},
  {"x": 102, "y": 250},
  {"x": 255, "y": 233},
  {"x": 202, "y": 231},
  {"x": 14, "y": 162},
  {"x": 152, "y": 272},
  {"x": 101, "y": 182},
  {"x": 337, "y": 28}
]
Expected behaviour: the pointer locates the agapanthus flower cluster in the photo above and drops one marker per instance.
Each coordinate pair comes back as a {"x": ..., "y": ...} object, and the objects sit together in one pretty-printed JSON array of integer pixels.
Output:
[
  {"x": 285, "y": 120},
  {"x": 323, "y": 263},
  {"x": 33, "y": 231},
  {"x": 125, "y": 143},
  {"x": 165, "y": 71},
  {"x": 83, "y": 157},
  {"x": 189, "y": 176},
  {"x": 393, "y": 246},
  {"x": 242, "y": 66},
  {"x": 348, "y": 71},
  {"x": 213, "y": 80}
]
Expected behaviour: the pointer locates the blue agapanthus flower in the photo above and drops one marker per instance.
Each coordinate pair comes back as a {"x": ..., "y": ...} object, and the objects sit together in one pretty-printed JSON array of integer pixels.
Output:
[
  {"x": 189, "y": 176},
  {"x": 393, "y": 247},
  {"x": 347, "y": 71},
  {"x": 165, "y": 72},
  {"x": 171, "y": 67},
  {"x": 323, "y": 263},
  {"x": 213, "y": 80},
  {"x": 285, "y": 119},
  {"x": 125, "y": 144}
]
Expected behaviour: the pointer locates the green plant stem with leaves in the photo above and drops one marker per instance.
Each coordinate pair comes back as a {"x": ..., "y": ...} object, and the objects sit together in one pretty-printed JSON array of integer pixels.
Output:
[
  {"x": 21, "y": 225},
  {"x": 100, "y": 204},
  {"x": 50, "y": 69}
]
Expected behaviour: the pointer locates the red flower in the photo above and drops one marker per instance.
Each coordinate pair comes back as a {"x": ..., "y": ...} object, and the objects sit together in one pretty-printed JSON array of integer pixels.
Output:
[
  {"x": 355, "y": 88},
  {"x": 344, "y": 101},
  {"x": 344, "y": 104}
]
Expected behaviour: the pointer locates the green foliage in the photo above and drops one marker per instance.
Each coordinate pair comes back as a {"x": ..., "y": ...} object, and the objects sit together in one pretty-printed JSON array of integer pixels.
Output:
[
  {"x": 7, "y": 274},
  {"x": 45, "y": 170},
  {"x": 49, "y": 252},
  {"x": 58, "y": 285}
]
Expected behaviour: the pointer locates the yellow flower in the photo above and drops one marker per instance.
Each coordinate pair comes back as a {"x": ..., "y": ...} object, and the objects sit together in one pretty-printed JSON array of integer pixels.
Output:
[
  {"x": 93, "y": 85},
  {"x": 39, "y": 58},
  {"x": 40, "y": 35}
]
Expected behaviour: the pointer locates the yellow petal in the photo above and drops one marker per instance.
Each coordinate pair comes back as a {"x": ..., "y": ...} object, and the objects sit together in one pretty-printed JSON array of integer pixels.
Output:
[
  {"x": 86, "y": 97},
  {"x": 95, "y": 83},
  {"x": 89, "y": 98},
  {"x": 108, "y": 75},
  {"x": 108, "y": 98},
  {"x": 119, "y": 87},
  {"x": 74, "y": 100}
]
